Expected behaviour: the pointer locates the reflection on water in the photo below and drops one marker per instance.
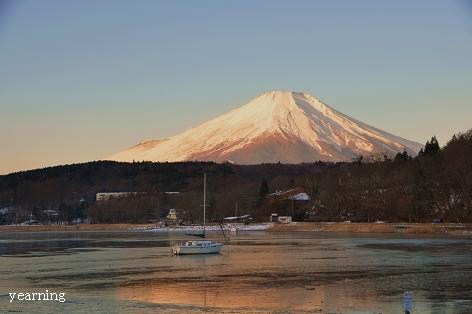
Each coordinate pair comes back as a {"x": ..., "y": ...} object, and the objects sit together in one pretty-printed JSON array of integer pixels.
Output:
[{"x": 133, "y": 272}]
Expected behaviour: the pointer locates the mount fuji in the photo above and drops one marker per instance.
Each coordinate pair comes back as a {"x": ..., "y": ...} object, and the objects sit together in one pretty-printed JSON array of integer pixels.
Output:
[{"x": 278, "y": 126}]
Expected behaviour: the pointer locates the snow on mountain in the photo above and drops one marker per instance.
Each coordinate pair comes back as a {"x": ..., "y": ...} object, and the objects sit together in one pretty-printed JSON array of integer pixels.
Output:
[{"x": 289, "y": 127}]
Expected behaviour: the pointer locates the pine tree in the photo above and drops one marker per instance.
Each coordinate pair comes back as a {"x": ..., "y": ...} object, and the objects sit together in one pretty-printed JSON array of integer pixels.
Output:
[
  {"x": 402, "y": 156},
  {"x": 264, "y": 190},
  {"x": 432, "y": 147}
]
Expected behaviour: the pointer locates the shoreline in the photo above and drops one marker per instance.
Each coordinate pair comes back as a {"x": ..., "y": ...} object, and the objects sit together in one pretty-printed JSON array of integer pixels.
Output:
[
  {"x": 70, "y": 228},
  {"x": 410, "y": 228}
]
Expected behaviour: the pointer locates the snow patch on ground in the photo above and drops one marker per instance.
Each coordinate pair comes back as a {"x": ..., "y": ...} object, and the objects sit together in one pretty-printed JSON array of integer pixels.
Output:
[{"x": 210, "y": 228}]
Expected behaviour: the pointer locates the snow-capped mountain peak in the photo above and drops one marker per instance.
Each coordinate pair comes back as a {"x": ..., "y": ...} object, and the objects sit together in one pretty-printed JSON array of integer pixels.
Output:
[{"x": 283, "y": 126}]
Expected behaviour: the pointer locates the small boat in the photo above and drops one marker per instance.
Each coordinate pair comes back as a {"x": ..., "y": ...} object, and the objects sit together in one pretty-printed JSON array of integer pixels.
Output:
[{"x": 199, "y": 246}]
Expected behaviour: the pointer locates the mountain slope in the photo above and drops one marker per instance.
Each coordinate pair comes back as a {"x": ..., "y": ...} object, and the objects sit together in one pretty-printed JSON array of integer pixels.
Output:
[{"x": 289, "y": 127}]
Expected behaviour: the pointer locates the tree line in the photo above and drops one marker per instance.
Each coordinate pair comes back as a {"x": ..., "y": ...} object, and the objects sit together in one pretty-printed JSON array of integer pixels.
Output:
[{"x": 435, "y": 184}]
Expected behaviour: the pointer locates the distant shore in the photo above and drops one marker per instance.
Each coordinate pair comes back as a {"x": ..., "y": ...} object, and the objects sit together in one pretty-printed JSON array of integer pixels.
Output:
[
  {"x": 423, "y": 228},
  {"x": 78, "y": 227}
]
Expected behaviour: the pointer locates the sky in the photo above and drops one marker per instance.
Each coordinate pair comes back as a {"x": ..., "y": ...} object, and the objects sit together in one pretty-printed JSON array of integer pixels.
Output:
[{"x": 80, "y": 80}]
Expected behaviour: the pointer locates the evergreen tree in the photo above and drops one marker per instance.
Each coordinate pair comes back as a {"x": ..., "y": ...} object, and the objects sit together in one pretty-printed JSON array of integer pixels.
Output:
[
  {"x": 432, "y": 147},
  {"x": 264, "y": 190},
  {"x": 402, "y": 157}
]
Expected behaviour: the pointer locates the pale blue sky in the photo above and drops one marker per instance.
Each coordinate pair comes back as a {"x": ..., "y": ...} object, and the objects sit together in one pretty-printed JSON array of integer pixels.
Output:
[{"x": 80, "y": 80}]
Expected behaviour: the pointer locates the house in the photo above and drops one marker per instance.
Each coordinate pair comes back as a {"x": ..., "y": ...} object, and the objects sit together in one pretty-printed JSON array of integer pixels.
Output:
[
  {"x": 295, "y": 194},
  {"x": 105, "y": 196},
  {"x": 280, "y": 219},
  {"x": 293, "y": 202},
  {"x": 173, "y": 217},
  {"x": 52, "y": 215},
  {"x": 284, "y": 219},
  {"x": 238, "y": 219}
]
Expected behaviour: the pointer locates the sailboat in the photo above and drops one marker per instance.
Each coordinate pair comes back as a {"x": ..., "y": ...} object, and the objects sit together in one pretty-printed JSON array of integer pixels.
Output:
[{"x": 199, "y": 246}]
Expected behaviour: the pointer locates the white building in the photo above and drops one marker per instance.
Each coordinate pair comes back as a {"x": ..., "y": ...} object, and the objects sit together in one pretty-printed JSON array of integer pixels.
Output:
[
  {"x": 284, "y": 219},
  {"x": 104, "y": 196}
]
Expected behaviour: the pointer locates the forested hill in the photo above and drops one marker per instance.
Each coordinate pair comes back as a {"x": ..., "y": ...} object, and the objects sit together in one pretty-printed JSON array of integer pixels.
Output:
[
  {"x": 89, "y": 178},
  {"x": 435, "y": 184}
]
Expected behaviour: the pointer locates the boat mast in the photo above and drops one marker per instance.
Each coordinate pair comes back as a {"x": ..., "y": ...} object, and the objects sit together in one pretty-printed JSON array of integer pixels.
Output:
[{"x": 204, "y": 201}]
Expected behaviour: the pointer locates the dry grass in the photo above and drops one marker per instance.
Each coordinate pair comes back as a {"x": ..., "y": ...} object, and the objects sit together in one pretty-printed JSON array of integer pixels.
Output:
[{"x": 375, "y": 227}]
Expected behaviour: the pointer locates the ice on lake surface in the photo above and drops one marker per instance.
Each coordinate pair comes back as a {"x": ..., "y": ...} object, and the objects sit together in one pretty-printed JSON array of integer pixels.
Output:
[{"x": 133, "y": 272}]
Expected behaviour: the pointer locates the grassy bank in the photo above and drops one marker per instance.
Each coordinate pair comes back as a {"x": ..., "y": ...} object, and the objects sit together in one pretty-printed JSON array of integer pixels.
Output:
[{"x": 375, "y": 227}]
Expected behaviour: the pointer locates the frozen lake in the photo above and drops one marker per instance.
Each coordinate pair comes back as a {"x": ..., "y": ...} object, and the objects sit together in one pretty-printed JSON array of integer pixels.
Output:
[{"x": 133, "y": 272}]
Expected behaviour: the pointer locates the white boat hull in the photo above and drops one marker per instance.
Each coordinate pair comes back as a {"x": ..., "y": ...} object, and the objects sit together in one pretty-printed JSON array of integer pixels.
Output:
[{"x": 189, "y": 250}]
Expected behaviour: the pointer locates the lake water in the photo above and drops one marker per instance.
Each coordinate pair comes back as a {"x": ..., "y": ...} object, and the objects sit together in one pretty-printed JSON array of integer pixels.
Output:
[{"x": 259, "y": 272}]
